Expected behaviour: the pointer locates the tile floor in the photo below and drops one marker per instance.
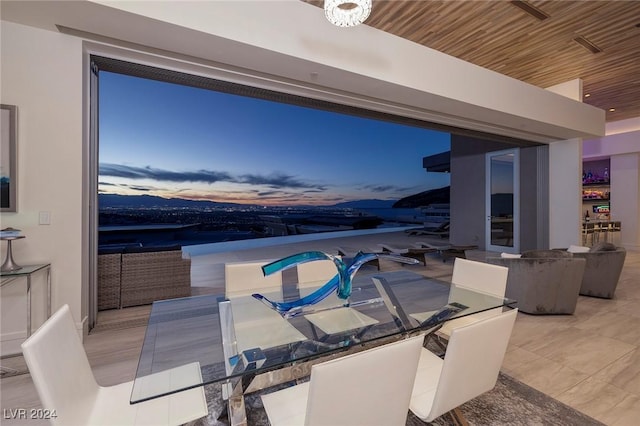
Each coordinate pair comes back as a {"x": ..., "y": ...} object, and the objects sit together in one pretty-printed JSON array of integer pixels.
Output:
[{"x": 589, "y": 360}]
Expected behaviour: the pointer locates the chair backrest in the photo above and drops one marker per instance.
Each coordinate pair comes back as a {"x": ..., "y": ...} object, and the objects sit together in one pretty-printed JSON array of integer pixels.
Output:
[
  {"x": 480, "y": 276},
  {"x": 472, "y": 362},
  {"x": 314, "y": 272},
  {"x": 246, "y": 278},
  {"x": 60, "y": 369},
  {"x": 372, "y": 387}
]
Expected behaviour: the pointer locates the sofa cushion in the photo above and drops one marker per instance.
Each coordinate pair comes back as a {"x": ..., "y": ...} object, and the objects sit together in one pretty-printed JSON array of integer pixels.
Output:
[
  {"x": 110, "y": 250},
  {"x": 603, "y": 246},
  {"x": 510, "y": 255},
  {"x": 151, "y": 249},
  {"x": 578, "y": 249},
  {"x": 545, "y": 254}
]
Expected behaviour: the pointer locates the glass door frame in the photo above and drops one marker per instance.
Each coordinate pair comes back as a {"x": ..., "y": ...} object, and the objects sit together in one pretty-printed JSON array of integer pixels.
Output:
[{"x": 515, "y": 243}]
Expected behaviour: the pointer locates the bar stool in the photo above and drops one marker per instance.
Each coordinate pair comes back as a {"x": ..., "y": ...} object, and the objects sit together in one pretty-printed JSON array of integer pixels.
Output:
[
  {"x": 597, "y": 230},
  {"x": 605, "y": 228},
  {"x": 616, "y": 228},
  {"x": 587, "y": 229}
]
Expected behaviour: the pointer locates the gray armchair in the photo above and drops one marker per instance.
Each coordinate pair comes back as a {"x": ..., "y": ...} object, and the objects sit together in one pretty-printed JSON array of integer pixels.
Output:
[
  {"x": 602, "y": 271},
  {"x": 544, "y": 281}
]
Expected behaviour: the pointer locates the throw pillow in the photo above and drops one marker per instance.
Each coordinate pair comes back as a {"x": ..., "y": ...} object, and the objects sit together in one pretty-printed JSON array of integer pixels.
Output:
[
  {"x": 578, "y": 249},
  {"x": 510, "y": 255},
  {"x": 603, "y": 246}
]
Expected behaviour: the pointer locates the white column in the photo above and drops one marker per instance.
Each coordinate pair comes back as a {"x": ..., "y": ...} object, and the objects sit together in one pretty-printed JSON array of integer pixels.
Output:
[
  {"x": 565, "y": 180},
  {"x": 565, "y": 193}
]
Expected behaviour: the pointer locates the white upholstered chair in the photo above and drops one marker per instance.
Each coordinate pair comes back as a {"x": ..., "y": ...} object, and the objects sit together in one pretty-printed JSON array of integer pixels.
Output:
[
  {"x": 313, "y": 273},
  {"x": 481, "y": 277},
  {"x": 64, "y": 381},
  {"x": 371, "y": 387},
  {"x": 470, "y": 367},
  {"x": 242, "y": 279},
  {"x": 246, "y": 278}
]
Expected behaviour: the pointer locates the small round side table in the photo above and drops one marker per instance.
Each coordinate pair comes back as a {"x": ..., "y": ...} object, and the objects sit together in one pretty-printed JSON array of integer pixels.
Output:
[{"x": 9, "y": 264}]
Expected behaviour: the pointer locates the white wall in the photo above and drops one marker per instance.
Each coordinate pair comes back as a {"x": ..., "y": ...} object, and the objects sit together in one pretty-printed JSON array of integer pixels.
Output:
[
  {"x": 625, "y": 197},
  {"x": 41, "y": 73},
  {"x": 622, "y": 126},
  {"x": 619, "y": 143},
  {"x": 570, "y": 89},
  {"x": 565, "y": 193}
]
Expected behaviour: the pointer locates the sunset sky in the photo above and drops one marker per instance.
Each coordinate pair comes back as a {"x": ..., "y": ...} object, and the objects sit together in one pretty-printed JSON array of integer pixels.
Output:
[{"x": 175, "y": 141}]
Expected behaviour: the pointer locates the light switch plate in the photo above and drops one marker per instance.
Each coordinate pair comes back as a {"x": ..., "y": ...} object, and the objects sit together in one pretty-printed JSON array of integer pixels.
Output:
[{"x": 45, "y": 218}]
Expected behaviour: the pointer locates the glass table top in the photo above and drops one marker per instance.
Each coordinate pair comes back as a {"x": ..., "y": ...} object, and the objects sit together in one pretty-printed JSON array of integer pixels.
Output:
[
  {"x": 24, "y": 270},
  {"x": 199, "y": 340}
]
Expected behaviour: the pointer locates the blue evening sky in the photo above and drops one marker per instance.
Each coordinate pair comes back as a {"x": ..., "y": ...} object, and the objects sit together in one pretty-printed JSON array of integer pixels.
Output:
[{"x": 175, "y": 141}]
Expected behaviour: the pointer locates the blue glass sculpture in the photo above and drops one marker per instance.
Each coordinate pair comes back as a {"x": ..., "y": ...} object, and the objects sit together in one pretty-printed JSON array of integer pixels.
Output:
[{"x": 341, "y": 282}]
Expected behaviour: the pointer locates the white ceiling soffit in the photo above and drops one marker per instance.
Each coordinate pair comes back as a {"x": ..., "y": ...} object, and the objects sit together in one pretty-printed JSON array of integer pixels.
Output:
[{"x": 297, "y": 44}]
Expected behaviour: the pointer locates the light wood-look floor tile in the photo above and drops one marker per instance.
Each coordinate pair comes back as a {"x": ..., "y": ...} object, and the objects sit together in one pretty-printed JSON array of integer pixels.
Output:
[
  {"x": 623, "y": 373},
  {"x": 626, "y": 413},
  {"x": 596, "y": 399},
  {"x": 549, "y": 377}
]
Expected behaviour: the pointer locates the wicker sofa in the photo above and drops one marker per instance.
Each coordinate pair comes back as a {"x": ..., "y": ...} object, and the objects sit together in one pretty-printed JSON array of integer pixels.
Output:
[
  {"x": 141, "y": 275},
  {"x": 109, "y": 264},
  {"x": 544, "y": 281}
]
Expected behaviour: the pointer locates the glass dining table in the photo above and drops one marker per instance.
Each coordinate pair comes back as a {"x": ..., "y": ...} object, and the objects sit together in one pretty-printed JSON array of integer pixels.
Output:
[{"x": 245, "y": 346}]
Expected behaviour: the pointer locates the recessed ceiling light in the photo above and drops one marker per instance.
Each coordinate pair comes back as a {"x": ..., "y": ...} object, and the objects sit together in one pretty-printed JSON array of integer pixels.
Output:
[
  {"x": 587, "y": 95},
  {"x": 611, "y": 109},
  {"x": 530, "y": 9},
  {"x": 587, "y": 44}
]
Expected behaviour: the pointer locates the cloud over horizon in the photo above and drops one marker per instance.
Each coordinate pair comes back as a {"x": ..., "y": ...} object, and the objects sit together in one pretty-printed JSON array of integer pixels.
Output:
[{"x": 274, "y": 180}]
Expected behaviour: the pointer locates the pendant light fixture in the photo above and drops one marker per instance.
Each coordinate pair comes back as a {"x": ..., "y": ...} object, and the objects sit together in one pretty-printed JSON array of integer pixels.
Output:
[{"x": 347, "y": 13}]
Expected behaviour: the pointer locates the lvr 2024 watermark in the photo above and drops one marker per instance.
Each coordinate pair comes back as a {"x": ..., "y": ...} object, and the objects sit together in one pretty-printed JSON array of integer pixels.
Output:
[{"x": 28, "y": 413}]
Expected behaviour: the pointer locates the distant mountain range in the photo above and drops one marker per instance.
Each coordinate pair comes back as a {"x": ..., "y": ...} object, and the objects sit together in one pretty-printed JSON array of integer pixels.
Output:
[
  {"x": 151, "y": 201},
  {"x": 366, "y": 204},
  {"x": 422, "y": 199}
]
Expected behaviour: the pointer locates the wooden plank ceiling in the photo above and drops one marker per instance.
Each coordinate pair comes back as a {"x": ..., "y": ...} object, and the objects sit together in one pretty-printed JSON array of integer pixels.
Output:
[{"x": 501, "y": 36}]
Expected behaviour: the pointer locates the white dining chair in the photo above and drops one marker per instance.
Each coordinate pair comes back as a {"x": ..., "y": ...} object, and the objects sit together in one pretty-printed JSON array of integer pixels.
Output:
[
  {"x": 470, "y": 367},
  {"x": 64, "y": 381},
  {"x": 371, "y": 388},
  {"x": 478, "y": 276},
  {"x": 312, "y": 275},
  {"x": 246, "y": 278},
  {"x": 316, "y": 272},
  {"x": 242, "y": 279}
]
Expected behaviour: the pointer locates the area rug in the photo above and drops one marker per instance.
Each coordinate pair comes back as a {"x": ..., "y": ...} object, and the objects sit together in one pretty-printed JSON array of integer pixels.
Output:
[{"x": 510, "y": 403}]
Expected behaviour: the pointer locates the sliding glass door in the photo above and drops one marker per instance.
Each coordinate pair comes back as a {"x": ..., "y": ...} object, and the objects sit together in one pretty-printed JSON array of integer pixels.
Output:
[{"x": 502, "y": 201}]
